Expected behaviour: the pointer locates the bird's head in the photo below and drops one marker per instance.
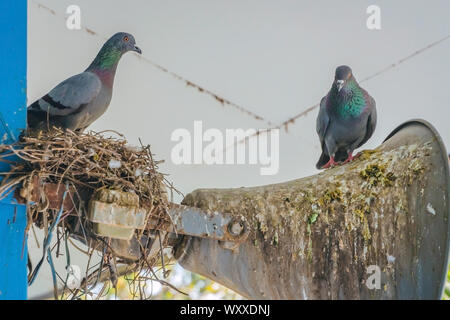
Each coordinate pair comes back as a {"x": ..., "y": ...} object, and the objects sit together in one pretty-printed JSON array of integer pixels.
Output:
[
  {"x": 342, "y": 76},
  {"x": 124, "y": 42}
]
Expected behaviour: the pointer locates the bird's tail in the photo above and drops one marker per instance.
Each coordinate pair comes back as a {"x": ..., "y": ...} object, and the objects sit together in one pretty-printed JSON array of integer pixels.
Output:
[{"x": 324, "y": 158}]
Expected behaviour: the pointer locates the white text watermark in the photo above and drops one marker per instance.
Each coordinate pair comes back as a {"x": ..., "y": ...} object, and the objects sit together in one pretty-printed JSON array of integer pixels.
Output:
[{"x": 232, "y": 147}]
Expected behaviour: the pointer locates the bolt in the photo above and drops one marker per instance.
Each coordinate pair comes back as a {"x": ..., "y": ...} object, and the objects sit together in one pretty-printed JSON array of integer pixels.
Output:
[{"x": 236, "y": 228}]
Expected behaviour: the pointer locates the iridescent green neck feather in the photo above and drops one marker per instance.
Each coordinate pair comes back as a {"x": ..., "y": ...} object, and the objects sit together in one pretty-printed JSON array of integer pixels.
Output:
[
  {"x": 350, "y": 101},
  {"x": 107, "y": 58}
]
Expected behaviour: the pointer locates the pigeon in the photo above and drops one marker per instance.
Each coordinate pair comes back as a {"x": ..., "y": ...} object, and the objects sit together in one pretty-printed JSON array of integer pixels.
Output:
[
  {"x": 346, "y": 119},
  {"x": 81, "y": 99}
]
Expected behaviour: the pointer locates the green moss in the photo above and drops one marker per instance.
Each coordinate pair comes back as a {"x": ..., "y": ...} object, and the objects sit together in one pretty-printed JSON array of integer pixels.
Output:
[
  {"x": 366, "y": 154},
  {"x": 416, "y": 168},
  {"x": 399, "y": 207},
  {"x": 275, "y": 239},
  {"x": 309, "y": 252},
  {"x": 366, "y": 231},
  {"x": 375, "y": 174},
  {"x": 332, "y": 195},
  {"x": 313, "y": 218}
]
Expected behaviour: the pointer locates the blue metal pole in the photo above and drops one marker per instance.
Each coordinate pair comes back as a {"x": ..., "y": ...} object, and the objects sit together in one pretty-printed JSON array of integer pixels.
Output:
[{"x": 13, "y": 86}]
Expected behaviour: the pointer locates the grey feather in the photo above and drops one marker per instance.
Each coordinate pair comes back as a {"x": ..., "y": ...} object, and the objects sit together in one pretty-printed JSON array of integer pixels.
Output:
[
  {"x": 74, "y": 92},
  {"x": 322, "y": 121},
  {"x": 74, "y": 103},
  {"x": 371, "y": 123},
  {"x": 71, "y": 94}
]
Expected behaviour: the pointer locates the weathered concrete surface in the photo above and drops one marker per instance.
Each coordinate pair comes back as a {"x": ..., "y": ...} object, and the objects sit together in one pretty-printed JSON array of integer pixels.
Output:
[{"x": 314, "y": 238}]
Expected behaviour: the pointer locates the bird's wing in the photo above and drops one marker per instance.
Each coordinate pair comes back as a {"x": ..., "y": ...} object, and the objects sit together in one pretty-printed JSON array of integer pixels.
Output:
[
  {"x": 322, "y": 120},
  {"x": 321, "y": 127},
  {"x": 71, "y": 94},
  {"x": 371, "y": 121}
]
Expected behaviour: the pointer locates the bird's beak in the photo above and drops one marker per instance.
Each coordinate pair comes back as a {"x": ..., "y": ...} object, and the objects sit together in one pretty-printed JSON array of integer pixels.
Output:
[
  {"x": 339, "y": 84},
  {"x": 137, "y": 49}
]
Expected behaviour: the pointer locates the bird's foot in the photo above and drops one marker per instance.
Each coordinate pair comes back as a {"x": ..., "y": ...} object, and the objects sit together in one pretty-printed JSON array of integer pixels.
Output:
[
  {"x": 331, "y": 163},
  {"x": 357, "y": 155},
  {"x": 350, "y": 158}
]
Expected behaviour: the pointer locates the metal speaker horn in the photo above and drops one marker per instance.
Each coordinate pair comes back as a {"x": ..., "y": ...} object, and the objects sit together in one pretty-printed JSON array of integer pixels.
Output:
[{"x": 376, "y": 228}]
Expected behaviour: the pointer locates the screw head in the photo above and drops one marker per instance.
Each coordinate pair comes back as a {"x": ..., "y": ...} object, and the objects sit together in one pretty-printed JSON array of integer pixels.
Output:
[{"x": 236, "y": 228}]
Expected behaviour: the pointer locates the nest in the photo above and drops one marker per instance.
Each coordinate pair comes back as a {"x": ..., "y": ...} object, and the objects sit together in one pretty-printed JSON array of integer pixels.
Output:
[{"x": 80, "y": 166}]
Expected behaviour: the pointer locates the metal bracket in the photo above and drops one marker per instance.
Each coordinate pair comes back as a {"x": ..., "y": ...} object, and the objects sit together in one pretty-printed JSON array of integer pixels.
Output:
[
  {"x": 116, "y": 215},
  {"x": 216, "y": 225}
]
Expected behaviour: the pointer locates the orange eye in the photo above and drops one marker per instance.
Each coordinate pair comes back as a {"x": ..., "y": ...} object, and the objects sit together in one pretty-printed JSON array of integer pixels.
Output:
[{"x": 126, "y": 39}]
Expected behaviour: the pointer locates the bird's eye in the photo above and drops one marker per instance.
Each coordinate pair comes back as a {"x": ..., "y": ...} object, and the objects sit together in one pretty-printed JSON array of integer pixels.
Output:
[{"x": 126, "y": 39}]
